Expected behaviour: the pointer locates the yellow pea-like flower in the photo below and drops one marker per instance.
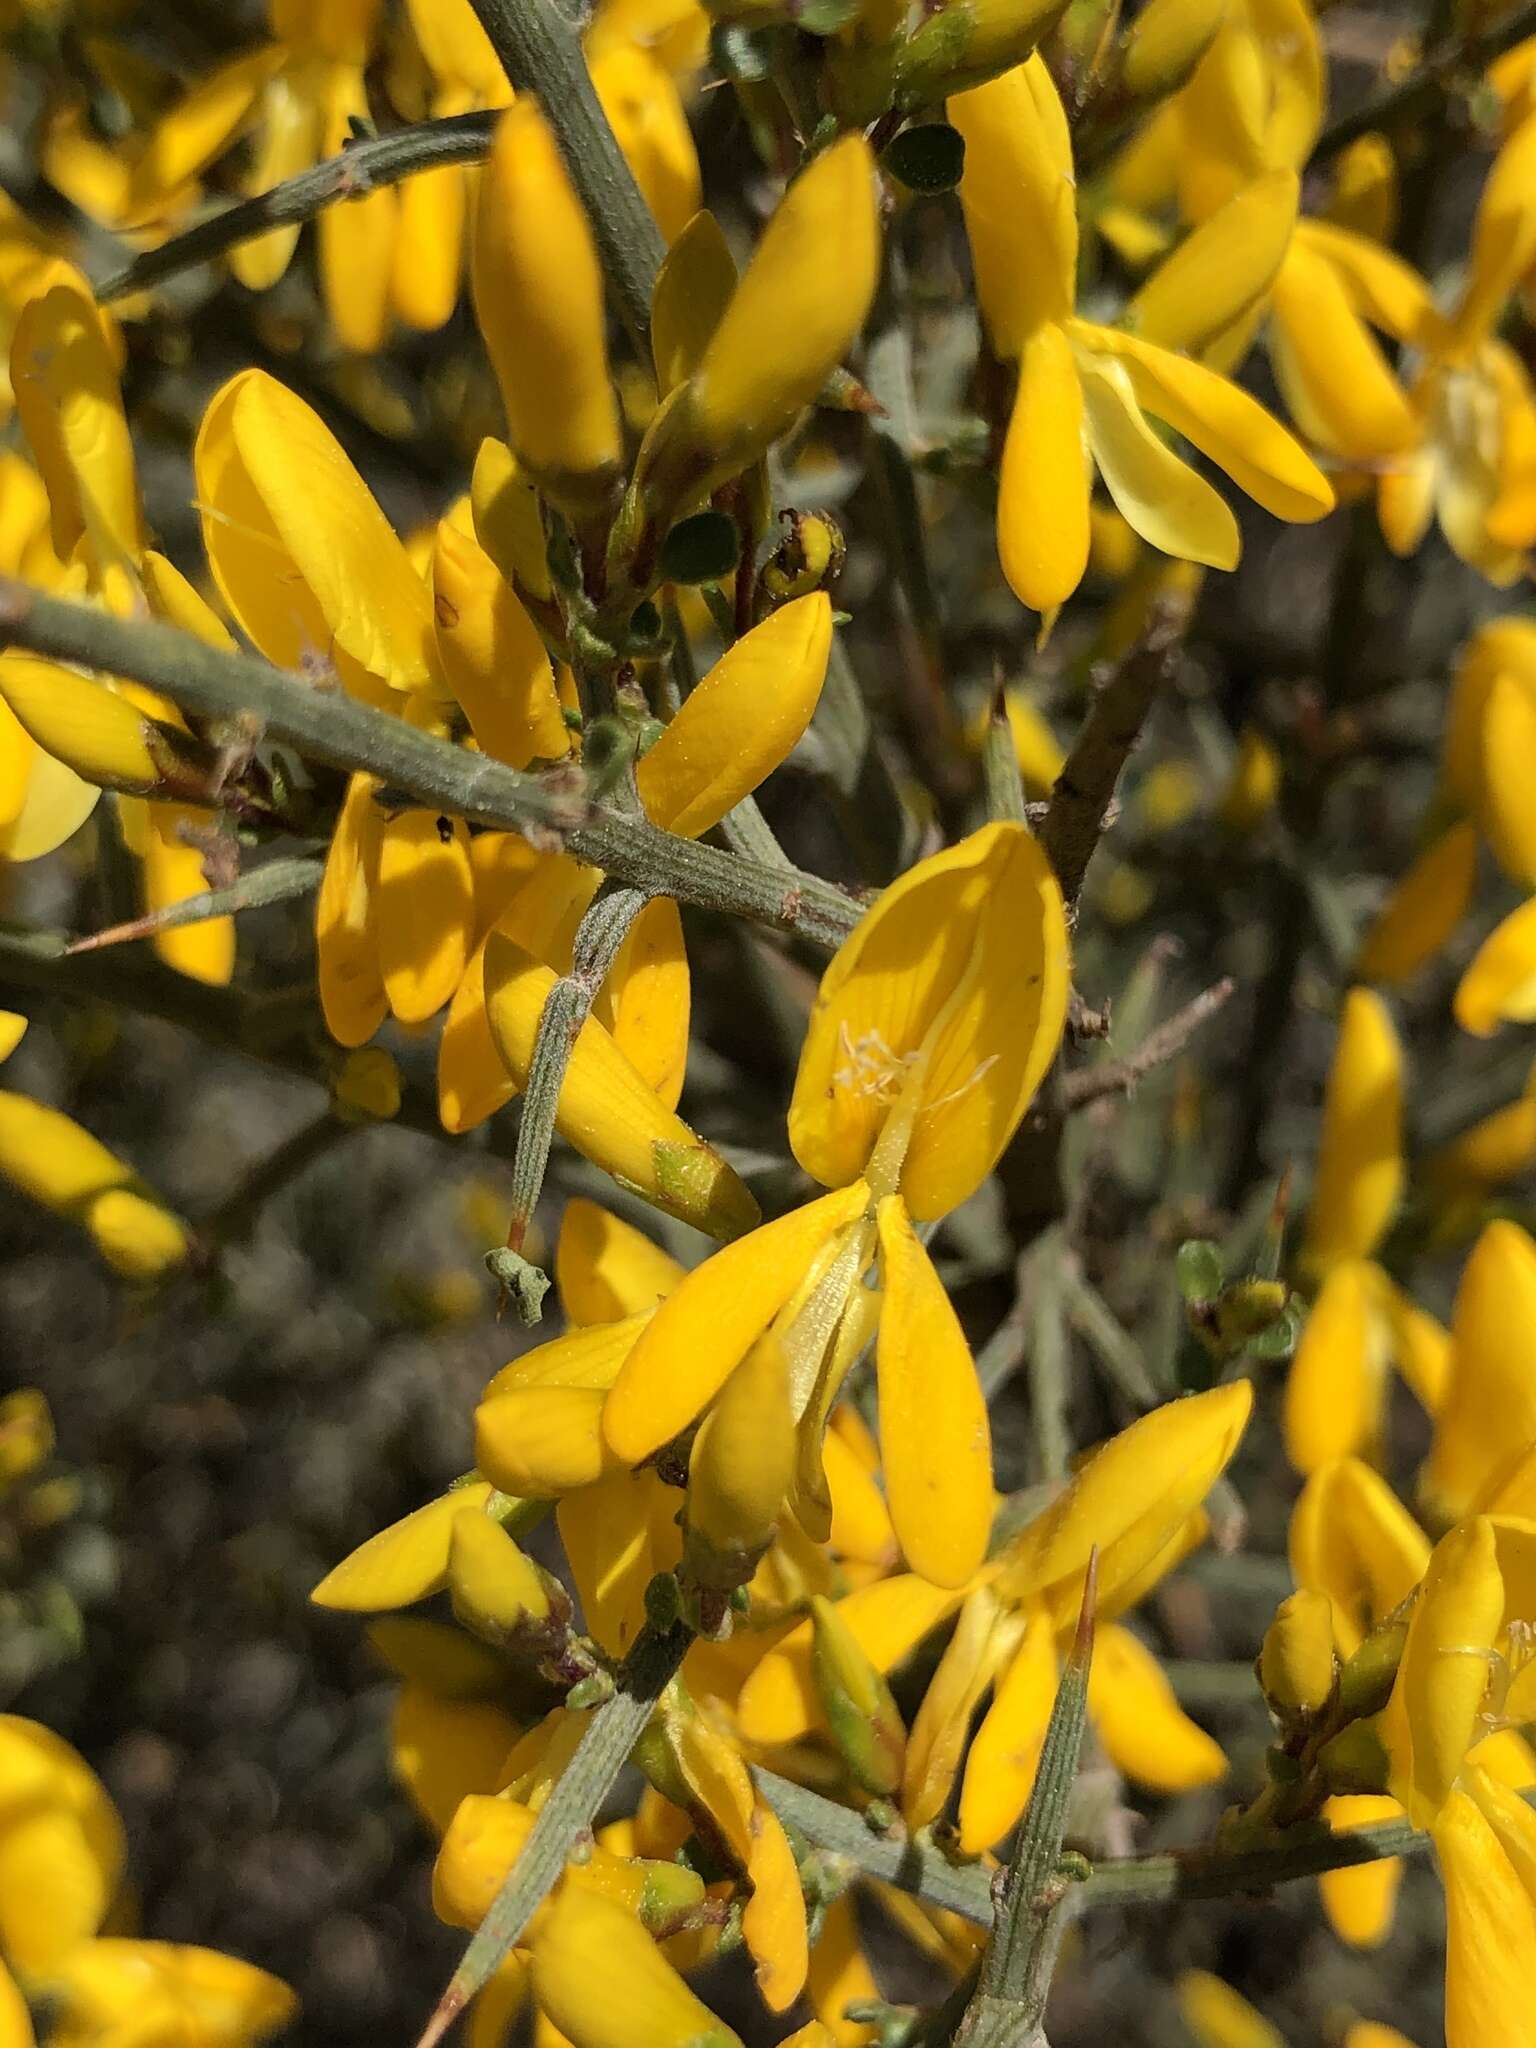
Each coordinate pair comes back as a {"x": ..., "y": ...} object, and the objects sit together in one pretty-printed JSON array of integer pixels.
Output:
[
  {"x": 538, "y": 293},
  {"x": 543, "y": 1441},
  {"x": 603, "y": 1982},
  {"x": 795, "y": 313},
  {"x": 303, "y": 557},
  {"x": 1490, "y": 1404},
  {"x": 353, "y": 1000},
  {"x": 404, "y": 1563},
  {"x": 57, "y": 1164},
  {"x": 504, "y": 508},
  {"x": 1352, "y": 1539},
  {"x": 164, "y": 1990},
  {"x": 1359, "y": 1176},
  {"x": 606, "y": 1109},
  {"x": 443, "y": 1750},
  {"x": 605, "y": 1269}
]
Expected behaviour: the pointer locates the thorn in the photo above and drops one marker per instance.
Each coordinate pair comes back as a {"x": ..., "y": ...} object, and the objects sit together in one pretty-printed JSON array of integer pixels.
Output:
[
  {"x": 1082, "y": 1642},
  {"x": 447, "y": 2010}
]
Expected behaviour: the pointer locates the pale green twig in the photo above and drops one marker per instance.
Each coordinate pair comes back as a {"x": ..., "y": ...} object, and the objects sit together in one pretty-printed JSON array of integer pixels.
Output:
[
  {"x": 279, "y": 881},
  {"x": 601, "y": 933},
  {"x": 614, "y": 1729},
  {"x": 361, "y": 167},
  {"x": 328, "y": 725}
]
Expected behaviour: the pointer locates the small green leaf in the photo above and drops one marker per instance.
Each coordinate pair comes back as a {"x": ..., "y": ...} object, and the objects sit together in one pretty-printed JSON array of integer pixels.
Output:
[
  {"x": 700, "y": 549},
  {"x": 927, "y": 158},
  {"x": 1198, "y": 1266}
]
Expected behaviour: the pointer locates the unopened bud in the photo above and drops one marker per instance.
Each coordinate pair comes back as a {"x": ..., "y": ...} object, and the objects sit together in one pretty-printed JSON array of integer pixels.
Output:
[
  {"x": 1165, "y": 43},
  {"x": 103, "y": 737},
  {"x": 496, "y": 1590},
  {"x": 865, "y": 1721},
  {"x": 488, "y": 1834},
  {"x": 1297, "y": 1666},
  {"x": 538, "y": 291},
  {"x": 740, "y": 1471},
  {"x": 968, "y": 42}
]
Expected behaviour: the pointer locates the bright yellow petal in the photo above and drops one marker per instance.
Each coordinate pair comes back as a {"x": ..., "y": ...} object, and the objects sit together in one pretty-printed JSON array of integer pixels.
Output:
[
  {"x": 198, "y": 130},
  {"x": 1020, "y": 204},
  {"x": 740, "y": 722},
  {"x": 429, "y": 247},
  {"x": 443, "y": 1750},
  {"x": 646, "y": 999},
  {"x": 1443, "y": 1679},
  {"x": 1352, "y": 1538},
  {"x": 492, "y": 657},
  {"x": 1225, "y": 424},
  {"x": 1490, "y": 1934},
  {"x": 934, "y": 1436},
  {"x": 405, "y": 1562},
  {"x": 1142, "y": 1726},
  {"x": 1423, "y": 910},
  {"x": 422, "y": 911},
  {"x": 174, "y": 869},
  {"x": 1043, "y": 486},
  {"x": 352, "y": 997},
  {"x": 304, "y": 558},
  {"x": 1503, "y": 810},
  {"x": 983, "y": 1642},
  {"x": 1490, "y": 1406},
  {"x": 1361, "y": 1899},
  {"x": 693, "y": 289},
  {"x": 542, "y": 1442},
  {"x": 1224, "y": 266},
  {"x": 606, "y": 1269},
  {"x": 1499, "y": 986},
  {"x": 705, "y": 1328},
  {"x": 1336, "y": 1386},
  {"x": 645, "y": 111},
  {"x": 1219, "y": 2018},
  {"x": 1329, "y": 367},
  {"x": 1000, "y": 1769},
  {"x": 1169, "y": 504}
]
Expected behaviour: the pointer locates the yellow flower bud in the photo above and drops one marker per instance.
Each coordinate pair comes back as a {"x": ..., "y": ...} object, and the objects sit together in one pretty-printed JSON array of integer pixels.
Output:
[
  {"x": 1164, "y": 44},
  {"x": 1219, "y": 2018},
  {"x": 1296, "y": 1663},
  {"x": 740, "y": 1471},
  {"x": 103, "y": 737},
  {"x": 794, "y": 314},
  {"x": 406, "y": 1562},
  {"x": 495, "y": 1588},
  {"x": 602, "y": 1981},
  {"x": 865, "y": 1720},
  {"x": 966, "y": 43},
  {"x": 538, "y": 292}
]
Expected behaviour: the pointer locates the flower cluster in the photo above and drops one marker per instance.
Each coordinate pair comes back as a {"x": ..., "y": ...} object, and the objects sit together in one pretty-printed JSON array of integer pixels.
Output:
[{"x": 791, "y": 1088}]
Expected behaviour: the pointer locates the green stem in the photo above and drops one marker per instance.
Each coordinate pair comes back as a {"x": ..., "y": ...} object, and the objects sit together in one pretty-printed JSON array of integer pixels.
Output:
[
  {"x": 361, "y": 167},
  {"x": 541, "y": 53},
  {"x": 328, "y": 725},
  {"x": 277, "y": 881},
  {"x": 966, "y": 1889},
  {"x": 566, "y": 1815}
]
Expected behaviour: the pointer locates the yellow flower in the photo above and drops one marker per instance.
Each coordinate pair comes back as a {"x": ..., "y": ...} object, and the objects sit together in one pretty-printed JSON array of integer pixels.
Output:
[
  {"x": 1219, "y": 2017},
  {"x": 1489, "y": 1412},
  {"x": 1423, "y": 909},
  {"x": 59, "y": 1165},
  {"x": 159, "y": 1994},
  {"x": 1081, "y": 384},
  {"x": 1359, "y": 1177},
  {"x": 932, "y": 1030},
  {"x": 602, "y": 1981},
  {"x": 1352, "y": 1540}
]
